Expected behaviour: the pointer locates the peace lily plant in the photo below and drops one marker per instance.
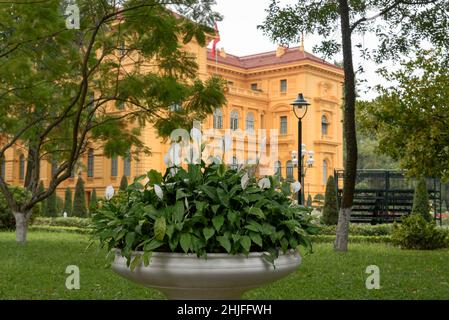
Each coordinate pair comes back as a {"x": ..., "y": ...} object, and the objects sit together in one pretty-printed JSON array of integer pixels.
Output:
[{"x": 180, "y": 231}]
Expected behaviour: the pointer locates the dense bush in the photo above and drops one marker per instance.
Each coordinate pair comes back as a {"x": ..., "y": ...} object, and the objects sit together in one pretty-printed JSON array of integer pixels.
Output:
[
  {"x": 416, "y": 233},
  {"x": 352, "y": 238},
  {"x": 51, "y": 206},
  {"x": 330, "y": 210},
  {"x": 204, "y": 209},
  {"x": 79, "y": 202},
  {"x": 309, "y": 201},
  {"x": 318, "y": 201},
  {"x": 421, "y": 200},
  {"x": 7, "y": 220}
]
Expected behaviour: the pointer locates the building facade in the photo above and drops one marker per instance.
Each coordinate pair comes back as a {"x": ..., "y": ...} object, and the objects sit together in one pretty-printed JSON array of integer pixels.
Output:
[{"x": 260, "y": 90}]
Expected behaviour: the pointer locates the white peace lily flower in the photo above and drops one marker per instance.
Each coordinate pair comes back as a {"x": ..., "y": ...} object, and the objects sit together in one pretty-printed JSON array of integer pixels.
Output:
[
  {"x": 195, "y": 134},
  {"x": 167, "y": 160},
  {"x": 245, "y": 181},
  {"x": 159, "y": 192},
  {"x": 109, "y": 192},
  {"x": 265, "y": 183},
  {"x": 296, "y": 187}
]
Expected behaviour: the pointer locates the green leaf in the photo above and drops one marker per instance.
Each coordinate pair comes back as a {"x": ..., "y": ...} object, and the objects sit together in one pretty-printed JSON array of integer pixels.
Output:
[
  {"x": 170, "y": 230},
  {"x": 180, "y": 194},
  {"x": 146, "y": 258},
  {"x": 135, "y": 263},
  {"x": 223, "y": 196},
  {"x": 154, "y": 177},
  {"x": 178, "y": 211},
  {"x": 225, "y": 243},
  {"x": 218, "y": 221},
  {"x": 256, "y": 238},
  {"x": 152, "y": 245},
  {"x": 234, "y": 217},
  {"x": 256, "y": 212},
  {"x": 129, "y": 240},
  {"x": 160, "y": 227},
  {"x": 208, "y": 233},
  {"x": 186, "y": 242},
  {"x": 210, "y": 192},
  {"x": 245, "y": 241}
]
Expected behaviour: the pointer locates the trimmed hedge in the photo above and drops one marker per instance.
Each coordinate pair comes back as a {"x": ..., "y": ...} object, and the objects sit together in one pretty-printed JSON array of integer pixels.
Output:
[
  {"x": 353, "y": 239},
  {"x": 361, "y": 230},
  {"x": 63, "y": 222}
]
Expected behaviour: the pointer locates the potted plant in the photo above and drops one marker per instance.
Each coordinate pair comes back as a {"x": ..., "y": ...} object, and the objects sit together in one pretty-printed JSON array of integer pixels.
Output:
[{"x": 205, "y": 231}]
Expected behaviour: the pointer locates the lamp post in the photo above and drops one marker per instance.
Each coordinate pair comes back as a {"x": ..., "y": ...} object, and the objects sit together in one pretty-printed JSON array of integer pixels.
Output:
[
  {"x": 300, "y": 106},
  {"x": 304, "y": 165}
]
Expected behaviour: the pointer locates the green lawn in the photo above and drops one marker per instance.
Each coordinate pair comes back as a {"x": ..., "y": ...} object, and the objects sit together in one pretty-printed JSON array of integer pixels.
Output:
[{"x": 37, "y": 271}]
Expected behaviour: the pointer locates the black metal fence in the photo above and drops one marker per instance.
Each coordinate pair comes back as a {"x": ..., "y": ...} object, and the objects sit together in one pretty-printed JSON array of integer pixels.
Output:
[{"x": 383, "y": 196}]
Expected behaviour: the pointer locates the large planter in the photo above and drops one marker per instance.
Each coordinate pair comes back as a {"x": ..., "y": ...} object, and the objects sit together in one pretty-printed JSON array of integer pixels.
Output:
[{"x": 221, "y": 276}]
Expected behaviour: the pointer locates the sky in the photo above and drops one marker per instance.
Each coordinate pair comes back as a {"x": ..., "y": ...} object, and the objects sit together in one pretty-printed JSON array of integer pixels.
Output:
[{"x": 240, "y": 36}]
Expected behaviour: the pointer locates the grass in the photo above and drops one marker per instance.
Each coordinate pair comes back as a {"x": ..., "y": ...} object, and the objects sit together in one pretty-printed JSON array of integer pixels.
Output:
[{"x": 37, "y": 271}]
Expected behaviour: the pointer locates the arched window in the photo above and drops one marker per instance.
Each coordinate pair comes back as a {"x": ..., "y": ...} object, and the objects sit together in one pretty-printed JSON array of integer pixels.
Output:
[
  {"x": 2, "y": 167},
  {"x": 218, "y": 119},
  {"x": 114, "y": 166},
  {"x": 127, "y": 165},
  {"x": 324, "y": 125},
  {"x": 289, "y": 170},
  {"x": 250, "y": 122},
  {"x": 90, "y": 163},
  {"x": 325, "y": 172},
  {"x": 235, "y": 163},
  {"x": 278, "y": 169},
  {"x": 234, "y": 120},
  {"x": 22, "y": 167}
]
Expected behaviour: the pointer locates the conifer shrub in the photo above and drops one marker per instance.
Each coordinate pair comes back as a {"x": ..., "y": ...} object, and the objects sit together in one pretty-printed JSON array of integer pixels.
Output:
[
  {"x": 330, "y": 210},
  {"x": 79, "y": 201}
]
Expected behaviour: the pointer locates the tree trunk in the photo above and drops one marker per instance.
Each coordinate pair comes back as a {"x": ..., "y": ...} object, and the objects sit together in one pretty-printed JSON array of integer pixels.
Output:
[
  {"x": 341, "y": 241},
  {"x": 21, "y": 227}
]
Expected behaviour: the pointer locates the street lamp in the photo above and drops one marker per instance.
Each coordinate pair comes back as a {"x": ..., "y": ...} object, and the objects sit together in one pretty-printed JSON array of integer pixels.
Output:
[
  {"x": 306, "y": 164},
  {"x": 300, "y": 106}
]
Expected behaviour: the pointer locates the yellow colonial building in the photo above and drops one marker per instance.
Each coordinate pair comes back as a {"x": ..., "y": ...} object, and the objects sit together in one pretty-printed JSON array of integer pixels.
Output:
[{"x": 260, "y": 89}]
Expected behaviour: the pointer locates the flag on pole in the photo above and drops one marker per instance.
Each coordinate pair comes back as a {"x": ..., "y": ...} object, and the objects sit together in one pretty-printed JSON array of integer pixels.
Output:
[{"x": 216, "y": 40}]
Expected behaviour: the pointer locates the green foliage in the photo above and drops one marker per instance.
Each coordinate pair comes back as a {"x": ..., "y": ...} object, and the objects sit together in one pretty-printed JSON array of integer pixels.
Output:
[
  {"x": 330, "y": 210},
  {"x": 416, "y": 233},
  {"x": 123, "y": 183},
  {"x": 7, "y": 220},
  {"x": 79, "y": 202},
  {"x": 43, "y": 204},
  {"x": 419, "y": 99},
  {"x": 93, "y": 203},
  {"x": 68, "y": 204},
  {"x": 51, "y": 206},
  {"x": 327, "y": 238},
  {"x": 201, "y": 210},
  {"x": 421, "y": 200}
]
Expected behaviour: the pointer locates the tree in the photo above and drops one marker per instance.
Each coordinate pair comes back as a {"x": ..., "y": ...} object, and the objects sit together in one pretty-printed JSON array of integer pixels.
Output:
[
  {"x": 63, "y": 90},
  {"x": 330, "y": 210},
  {"x": 421, "y": 200},
  {"x": 124, "y": 183},
  {"x": 79, "y": 202},
  {"x": 309, "y": 201},
  {"x": 400, "y": 27},
  {"x": 93, "y": 204},
  {"x": 419, "y": 100},
  {"x": 68, "y": 201},
  {"x": 51, "y": 207}
]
